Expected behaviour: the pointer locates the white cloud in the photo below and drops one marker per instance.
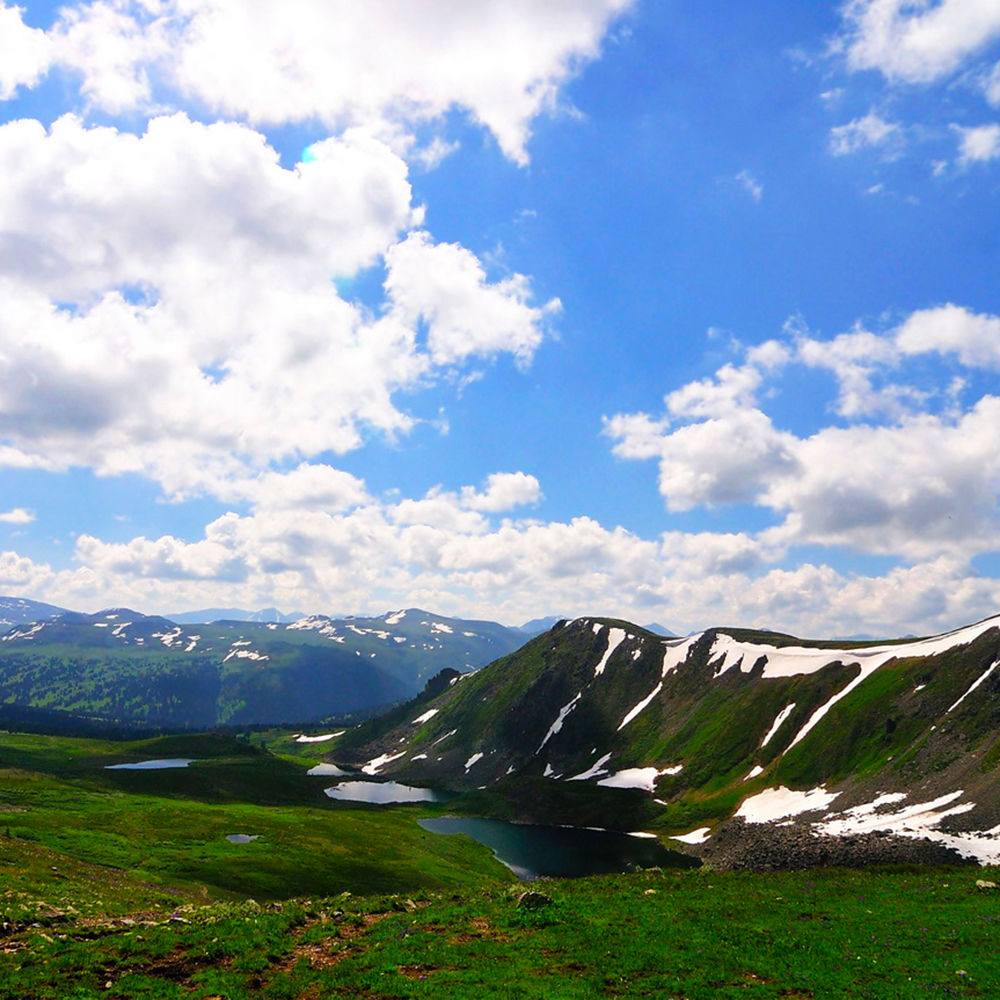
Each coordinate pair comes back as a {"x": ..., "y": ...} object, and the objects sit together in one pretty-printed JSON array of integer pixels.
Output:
[
  {"x": 19, "y": 515},
  {"x": 504, "y": 491},
  {"x": 25, "y": 52},
  {"x": 950, "y": 329},
  {"x": 445, "y": 286},
  {"x": 917, "y": 41},
  {"x": 750, "y": 184},
  {"x": 991, "y": 85},
  {"x": 922, "y": 485},
  {"x": 344, "y": 63},
  {"x": 170, "y": 310},
  {"x": 861, "y": 133},
  {"x": 979, "y": 144},
  {"x": 367, "y": 559}
]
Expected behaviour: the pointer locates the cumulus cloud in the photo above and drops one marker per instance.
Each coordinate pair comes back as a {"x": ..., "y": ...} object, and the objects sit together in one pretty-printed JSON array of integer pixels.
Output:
[
  {"x": 501, "y": 61},
  {"x": 504, "y": 491},
  {"x": 19, "y": 515},
  {"x": 915, "y": 41},
  {"x": 368, "y": 559},
  {"x": 913, "y": 483},
  {"x": 25, "y": 52},
  {"x": 445, "y": 286},
  {"x": 170, "y": 309}
]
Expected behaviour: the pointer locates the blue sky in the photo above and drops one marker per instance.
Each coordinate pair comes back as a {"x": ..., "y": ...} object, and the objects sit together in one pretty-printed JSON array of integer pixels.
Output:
[{"x": 672, "y": 311}]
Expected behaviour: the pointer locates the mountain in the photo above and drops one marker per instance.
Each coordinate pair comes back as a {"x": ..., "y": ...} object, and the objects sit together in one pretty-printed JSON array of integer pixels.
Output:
[
  {"x": 538, "y": 625},
  {"x": 206, "y": 616},
  {"x": 126, "y": 667},
  {"x": 19, "y": 610},
  {"x": 600, "y": 722},
  {"x": 657, "y": 629}
]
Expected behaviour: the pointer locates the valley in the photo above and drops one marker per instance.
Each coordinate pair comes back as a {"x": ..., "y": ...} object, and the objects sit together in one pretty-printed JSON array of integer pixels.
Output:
[{"x": 809, "y": 819}]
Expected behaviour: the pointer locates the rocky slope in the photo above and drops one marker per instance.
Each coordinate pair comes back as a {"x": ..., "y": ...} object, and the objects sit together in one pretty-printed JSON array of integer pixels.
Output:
[{"x": 603, "y": 722}]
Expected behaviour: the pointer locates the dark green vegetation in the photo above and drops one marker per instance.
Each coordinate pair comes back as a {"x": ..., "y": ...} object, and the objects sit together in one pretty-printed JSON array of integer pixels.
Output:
[
  {"x": 923, "y": 719},
  {"x": 130, "y": 669}
]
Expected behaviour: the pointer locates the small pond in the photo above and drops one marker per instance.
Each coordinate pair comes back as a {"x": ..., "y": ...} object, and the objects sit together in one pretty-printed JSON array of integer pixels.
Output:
[
  {"x": 564, "y": 852},
  {"x": 382, "y": 792},
  {"x": 152, "y": 765},
  {"x": 329, "y": 771},
  {"x": 242, "y": 838}
]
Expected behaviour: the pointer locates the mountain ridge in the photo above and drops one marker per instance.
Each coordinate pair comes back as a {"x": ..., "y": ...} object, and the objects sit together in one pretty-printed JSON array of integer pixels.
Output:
[
  {"x": 130, "y": 668},
  {"x": 728, "y": 724}
]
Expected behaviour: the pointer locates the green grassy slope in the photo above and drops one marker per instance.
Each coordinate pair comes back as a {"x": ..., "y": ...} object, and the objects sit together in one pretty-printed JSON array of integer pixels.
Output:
[{"x": 693, "y": 935}]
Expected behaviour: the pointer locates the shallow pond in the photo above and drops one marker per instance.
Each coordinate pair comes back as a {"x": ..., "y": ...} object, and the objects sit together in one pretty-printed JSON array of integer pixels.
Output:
[
  {"x": 382, "y": 792},
  {"x": 152, "y": 765},
  {"x": 328, "y": 771},
  {"x": 565, "y": 852},
  {"x": 242, "y": 838}
]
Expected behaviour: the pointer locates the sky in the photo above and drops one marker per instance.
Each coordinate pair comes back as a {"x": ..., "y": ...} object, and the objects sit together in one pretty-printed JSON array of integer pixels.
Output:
[{"x": 672, "y": 311}]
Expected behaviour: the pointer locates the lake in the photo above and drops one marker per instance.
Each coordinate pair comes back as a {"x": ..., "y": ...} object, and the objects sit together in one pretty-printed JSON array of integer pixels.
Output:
[
  {"x": 152, "y": 765},
  {"x": 382, "y": 792},
  {"x": 566, "y": 852}
]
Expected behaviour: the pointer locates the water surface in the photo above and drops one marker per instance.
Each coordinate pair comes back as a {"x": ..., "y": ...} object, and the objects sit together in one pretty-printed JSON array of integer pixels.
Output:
[
  {"x": 565, "y": 852},
  {"x": 382, "y": 792},
  {"x": 329, "y": 771},
  {"x": 160, "y": 764}
]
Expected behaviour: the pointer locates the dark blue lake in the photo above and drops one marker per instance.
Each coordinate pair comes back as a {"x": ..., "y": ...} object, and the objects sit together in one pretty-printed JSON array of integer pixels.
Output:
[{"x": 565, "y": 852}]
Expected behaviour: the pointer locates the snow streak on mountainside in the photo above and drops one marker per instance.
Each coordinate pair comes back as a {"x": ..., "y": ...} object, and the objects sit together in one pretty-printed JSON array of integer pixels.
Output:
[{"x": 843, "y": 737}]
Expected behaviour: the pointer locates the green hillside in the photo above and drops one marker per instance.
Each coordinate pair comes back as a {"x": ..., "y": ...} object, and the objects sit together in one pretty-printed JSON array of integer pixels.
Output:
[{"x": 599, "y": 721}]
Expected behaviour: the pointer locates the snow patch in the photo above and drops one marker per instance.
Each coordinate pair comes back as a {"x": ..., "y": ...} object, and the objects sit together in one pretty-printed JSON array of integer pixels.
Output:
[
  {"x": 638, "y": 708},
  {"x": 472, "y": 760},
  {"x": 754, "y": 771},
  {"x": 776, "y": 725},
  {"x": 593, "y": 771},
  {"x": 421, "y": 719},
  {"x": 698, "y": 836},
  {"x": 976, "y": 684},
  {"x": 394, "y": 618},
  {"x": 676, "y": 652},
  {"x": 781, "y": 803},
  {"x": 372, "y": 767},
  {"x": 557, "y": 725},
  {"x": 636, "y": 777},
  {"x": 319, "y": 739},
  {"x": 615, "y": 638}
]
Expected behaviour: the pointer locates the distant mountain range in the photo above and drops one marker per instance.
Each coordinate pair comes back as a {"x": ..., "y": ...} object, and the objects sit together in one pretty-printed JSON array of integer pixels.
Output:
[
  {"x": 18, "y": 610},
  {"x": 134, "y": 669},
  {"x": 207, "y": 615},
  {"x": 600, "y": 722}
]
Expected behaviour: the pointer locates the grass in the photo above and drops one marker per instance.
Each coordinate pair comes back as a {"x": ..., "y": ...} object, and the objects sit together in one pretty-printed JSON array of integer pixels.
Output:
[
  {"x": 169, "y": 828},
  {"x": 123, "y": 885},
  {"x": 829, "y": 934}
]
